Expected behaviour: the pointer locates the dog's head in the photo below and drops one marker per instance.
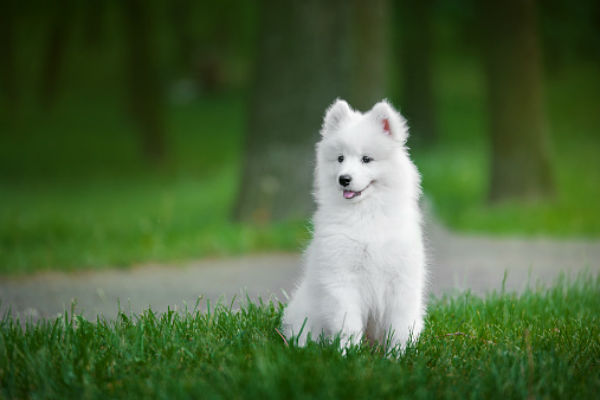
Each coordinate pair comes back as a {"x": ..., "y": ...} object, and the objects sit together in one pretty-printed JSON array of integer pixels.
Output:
[{"x": 359, "y": 154}]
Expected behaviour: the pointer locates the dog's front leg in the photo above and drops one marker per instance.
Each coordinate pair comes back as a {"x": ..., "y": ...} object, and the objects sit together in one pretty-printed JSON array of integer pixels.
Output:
[
  {"x": 352, "y": 329},
  {"x": 405, "y": 323},
  {"x": 346, "y": 318}
]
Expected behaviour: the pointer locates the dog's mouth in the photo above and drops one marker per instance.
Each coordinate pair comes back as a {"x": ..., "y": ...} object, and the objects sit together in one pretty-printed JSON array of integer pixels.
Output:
[{"x": 350, "y": 194}]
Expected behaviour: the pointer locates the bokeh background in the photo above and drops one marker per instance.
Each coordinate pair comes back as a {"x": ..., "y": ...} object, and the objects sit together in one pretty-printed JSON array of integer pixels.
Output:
[{"x": 159, "y": 131}]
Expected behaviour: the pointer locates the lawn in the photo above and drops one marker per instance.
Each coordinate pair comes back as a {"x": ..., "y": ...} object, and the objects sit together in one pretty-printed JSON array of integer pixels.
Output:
[
  {"x": 119, "y": 222},
  {"x": 76, "y": 193},
  {"x": 540, "y": 344}
]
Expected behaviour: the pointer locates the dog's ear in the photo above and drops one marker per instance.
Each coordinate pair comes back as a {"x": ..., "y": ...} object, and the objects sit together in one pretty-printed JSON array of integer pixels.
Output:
[
  {"x": 390, "y": 121},
  {"x": 334, "y": 116}
]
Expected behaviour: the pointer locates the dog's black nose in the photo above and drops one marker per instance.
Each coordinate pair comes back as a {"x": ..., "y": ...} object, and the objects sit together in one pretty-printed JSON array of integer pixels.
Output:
[{"x": 345, "y": 180}]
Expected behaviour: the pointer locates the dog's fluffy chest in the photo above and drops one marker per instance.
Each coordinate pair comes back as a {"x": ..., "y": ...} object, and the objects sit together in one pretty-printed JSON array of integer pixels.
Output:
[{"x": 364, "y": 249}]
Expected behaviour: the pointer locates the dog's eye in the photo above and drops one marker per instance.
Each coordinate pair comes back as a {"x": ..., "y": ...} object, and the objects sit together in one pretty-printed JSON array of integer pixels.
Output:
[
  {"x": 340, "y": 159},
  {"x": 366, "y": 159}
]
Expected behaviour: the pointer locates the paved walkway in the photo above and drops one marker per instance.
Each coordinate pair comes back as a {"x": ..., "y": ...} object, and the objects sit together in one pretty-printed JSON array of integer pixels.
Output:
[{"x": 458, "y": 262}]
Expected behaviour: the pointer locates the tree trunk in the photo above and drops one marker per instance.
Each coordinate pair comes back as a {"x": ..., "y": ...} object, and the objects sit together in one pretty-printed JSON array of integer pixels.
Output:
[
  {"x": 95, "y": 22},
  {"x": 369, "y": 52},
  {"x": 520, "y": 162},
  {"x": 181, "y": 19},
  {"x": 146, "y": 91},
  {"x": 8, "y": 78},
  {"x": 55, "y": 51},
  {"x": 415, "y": 49},
  {"x": 301, "y": 69}
]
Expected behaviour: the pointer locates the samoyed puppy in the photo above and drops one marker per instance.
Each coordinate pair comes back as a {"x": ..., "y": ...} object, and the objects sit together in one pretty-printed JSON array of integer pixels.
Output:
[{"x": 364, "y": 270}]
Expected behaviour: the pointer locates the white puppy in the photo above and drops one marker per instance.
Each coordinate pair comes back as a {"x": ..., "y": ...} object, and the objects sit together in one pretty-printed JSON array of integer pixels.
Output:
[{"x": 364, "y": 271}]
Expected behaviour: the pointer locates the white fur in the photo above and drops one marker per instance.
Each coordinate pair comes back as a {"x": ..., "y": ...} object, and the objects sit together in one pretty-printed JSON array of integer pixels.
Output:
[{"x": 364, "y": 270}]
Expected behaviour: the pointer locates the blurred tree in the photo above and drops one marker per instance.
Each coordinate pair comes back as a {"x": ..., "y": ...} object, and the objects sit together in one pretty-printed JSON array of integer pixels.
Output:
[
  {"x": 570, "y": 34},
  {"x": 201, "y": 56},
  {"x": 520, "y": 154},
  {"x": 146, "y": 91},
  {"x": 370, "y": 49},
  {"x": 7, "y": 54},
  {"x": 94, "y": 19},
  {"x": 56, "y": 47},
  {"x": 215, "y": 53},
  {"x": 181, "y": 16},
  {"x": 301, "y": 68},
  {"x": 415, "y": 47}
]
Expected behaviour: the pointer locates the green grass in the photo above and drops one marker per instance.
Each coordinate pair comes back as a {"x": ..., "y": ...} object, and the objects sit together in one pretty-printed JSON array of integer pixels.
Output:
[
  {"x": 541, "y": 344},
  {"x": 455, "y": 181},
  {"x": 117, "y": 223}
]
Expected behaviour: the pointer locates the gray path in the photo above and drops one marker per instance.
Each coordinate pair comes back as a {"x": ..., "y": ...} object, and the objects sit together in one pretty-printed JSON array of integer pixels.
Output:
[{"x": 457, "y": 263}]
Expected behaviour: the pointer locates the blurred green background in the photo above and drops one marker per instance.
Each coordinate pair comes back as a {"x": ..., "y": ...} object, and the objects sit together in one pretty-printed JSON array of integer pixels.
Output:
[{"x": 159, "y": 131}]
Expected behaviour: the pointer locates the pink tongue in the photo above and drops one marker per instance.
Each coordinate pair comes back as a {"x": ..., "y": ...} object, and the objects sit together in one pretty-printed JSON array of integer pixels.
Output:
[{"x": 348, "y": 194}]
